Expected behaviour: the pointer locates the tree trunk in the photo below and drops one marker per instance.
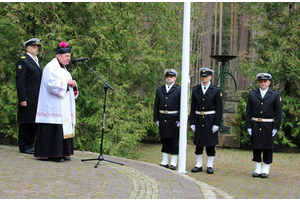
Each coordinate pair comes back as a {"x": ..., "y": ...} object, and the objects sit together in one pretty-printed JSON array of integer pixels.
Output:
[
  {"x": 243, "y": 47},
  {"x": 231, "y": 28},
  {"x": 207, "y": 40},
  {"x": 220, "y": 35},
  {"x": 215, "y": 40}
]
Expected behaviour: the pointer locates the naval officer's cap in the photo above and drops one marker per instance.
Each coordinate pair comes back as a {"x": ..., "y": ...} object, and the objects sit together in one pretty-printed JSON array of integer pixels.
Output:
[
  {"x": 32, "y": 42},
  {"x": 62, "y": 48},
  {"x": 171, "y": 72},
  {"x": 263, "y": 76},
  {"x": 205, "y": 71}
]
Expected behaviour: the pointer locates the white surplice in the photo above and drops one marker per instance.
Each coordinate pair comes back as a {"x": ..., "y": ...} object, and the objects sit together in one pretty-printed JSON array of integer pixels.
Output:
[{"x": 56, "y": 105}]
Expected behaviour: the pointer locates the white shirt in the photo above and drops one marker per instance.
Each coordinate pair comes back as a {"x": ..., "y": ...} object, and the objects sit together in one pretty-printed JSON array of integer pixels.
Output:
[
  {"x": 35, "y": 59},
  {"x": 263, "y": 92},
  {"x": 204, "y": 88},
  {"x": 169, "y": 87}
]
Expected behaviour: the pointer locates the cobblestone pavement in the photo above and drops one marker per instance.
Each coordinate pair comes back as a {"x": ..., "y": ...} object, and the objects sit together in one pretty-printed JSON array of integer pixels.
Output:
[{"x": 23, "y": 176}]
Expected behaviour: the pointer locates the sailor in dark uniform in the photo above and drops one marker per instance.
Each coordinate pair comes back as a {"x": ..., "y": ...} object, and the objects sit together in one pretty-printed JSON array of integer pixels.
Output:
[
  {"x": 28, "y": 79},
  {"x": 166, "y": 115},
  {"x": 263, "y": 119},
  {"x": 205, "y": 119}
]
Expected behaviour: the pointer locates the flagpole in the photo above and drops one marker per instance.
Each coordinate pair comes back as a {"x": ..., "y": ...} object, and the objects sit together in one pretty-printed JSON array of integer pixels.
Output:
[{"x": 184, "y": 101}]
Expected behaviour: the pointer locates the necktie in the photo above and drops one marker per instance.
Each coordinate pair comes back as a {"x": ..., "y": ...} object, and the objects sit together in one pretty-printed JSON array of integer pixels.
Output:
[{"x": 36, "y": 62}]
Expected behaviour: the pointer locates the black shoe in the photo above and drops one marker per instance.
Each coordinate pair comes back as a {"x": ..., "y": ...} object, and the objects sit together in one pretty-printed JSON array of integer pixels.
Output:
[
  {"x": 28, "y": 151},
  {"x": 166, "y": 166},
  {"x": 172, "y": 167},
  {"x": 255, "y": 175},
  {"x": 66, "y": 158},
  {"x": 210, "y": 170},
  {"x": 197, "y": 169},
  {"x": 57, "y": 159},
  {"x": 264, "y": 175}
]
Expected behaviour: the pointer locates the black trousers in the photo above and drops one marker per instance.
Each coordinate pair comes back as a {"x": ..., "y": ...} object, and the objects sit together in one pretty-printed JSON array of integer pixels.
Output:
[
  {"x": 210, "y": 151},
  {"x": 267, "y": 155},
  {"x": 27, "y": 133},
  {"x": 170, "y": 145}
]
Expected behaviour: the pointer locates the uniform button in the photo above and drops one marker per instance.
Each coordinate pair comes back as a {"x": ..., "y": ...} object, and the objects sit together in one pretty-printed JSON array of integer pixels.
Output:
[
  {"x": 166, "y": 97},
  {"x": 202, "y": 116},
  {"x": 203, "y": 99},
  {"x": 202, "y": 125},
  {"x": 262, "y": 103},
  {"x": 166, "y": 105},
  {"x": 165, "y": 120},
  {"x": 203, "y": 108},
  {"x": 260, "y": 129},
  {"x": 261, "y": 112}
]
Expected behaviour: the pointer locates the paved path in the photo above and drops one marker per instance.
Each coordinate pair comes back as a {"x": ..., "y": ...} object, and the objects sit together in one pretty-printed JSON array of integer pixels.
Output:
[{"x": 135, "y": 180}]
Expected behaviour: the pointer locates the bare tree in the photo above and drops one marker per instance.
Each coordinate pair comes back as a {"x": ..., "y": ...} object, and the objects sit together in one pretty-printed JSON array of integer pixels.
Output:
[
  {"x": 208, "y": 33},
  {"x": 243, "y": 46},
  {"x": 215, "y": 39},
  {"x": 220, "y": 34}
]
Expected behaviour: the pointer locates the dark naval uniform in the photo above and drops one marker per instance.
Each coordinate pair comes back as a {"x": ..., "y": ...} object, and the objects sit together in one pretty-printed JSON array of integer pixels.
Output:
[
  {"x": 269, "y": 107},
  {"x": 167, "y": 116},
  {"x": 167, "y": 102},
  {"x": 263, "y": 119},
  {"x": 28, "y": 79},
  {"x": 205, "y": 119},
  {"x": 210, "y": 101}
]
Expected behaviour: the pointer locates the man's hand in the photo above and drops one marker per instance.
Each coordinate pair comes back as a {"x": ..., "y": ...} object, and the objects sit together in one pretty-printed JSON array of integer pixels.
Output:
[
  {"x": 249, "y": 131},
  {"x": 71, "y": 83},
  {"x": 274, "y": 131},
  {"x": 23, "y": 103},
  {"x": 215, "y": 128},
  {"x": 193, "y": 127}
]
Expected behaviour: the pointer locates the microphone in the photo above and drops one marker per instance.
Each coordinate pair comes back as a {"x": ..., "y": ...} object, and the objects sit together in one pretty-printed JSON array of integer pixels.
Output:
[{"x": 74, "y": 60}]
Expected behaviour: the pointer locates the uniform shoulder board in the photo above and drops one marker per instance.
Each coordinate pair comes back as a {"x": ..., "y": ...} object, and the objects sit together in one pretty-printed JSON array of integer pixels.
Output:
[{"x": 23, "y": 57}]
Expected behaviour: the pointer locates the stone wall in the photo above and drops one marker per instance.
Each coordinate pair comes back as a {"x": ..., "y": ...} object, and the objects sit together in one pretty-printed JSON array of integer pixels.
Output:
[{"x": 230, "y": 104}]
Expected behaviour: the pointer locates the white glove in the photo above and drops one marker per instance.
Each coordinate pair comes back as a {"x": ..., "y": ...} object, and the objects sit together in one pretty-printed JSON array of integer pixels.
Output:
[
  {"x": 249, "y": 131},
  {"x": 178, "y": 124},
  {"x": 193, "y": 127},
  {"x": 157, "y": 122},
  {"x": 274, "y": 131},
  {"x": 215, "y": 128}
]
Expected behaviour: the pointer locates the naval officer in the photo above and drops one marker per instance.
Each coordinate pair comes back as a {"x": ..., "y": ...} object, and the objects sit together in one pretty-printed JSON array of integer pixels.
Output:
[
  {"x": 263, "y": 119},
  {"x": 166, "y": 116},
  {"x": 28, "y": 80},
  {"x": 205, "y": 119}
]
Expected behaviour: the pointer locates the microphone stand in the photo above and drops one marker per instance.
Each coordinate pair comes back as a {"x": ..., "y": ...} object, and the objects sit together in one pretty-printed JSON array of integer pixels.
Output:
[{"x": 101, "y": 158}]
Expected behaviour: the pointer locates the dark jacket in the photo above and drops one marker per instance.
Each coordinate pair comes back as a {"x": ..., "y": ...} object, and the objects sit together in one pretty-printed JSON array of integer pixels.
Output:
[
  {"x": 167, "y": 101},
  {"x": 28, "y": 80},
  {"x": 211, "y": 100},
  {"x": 269, "y": 107}
]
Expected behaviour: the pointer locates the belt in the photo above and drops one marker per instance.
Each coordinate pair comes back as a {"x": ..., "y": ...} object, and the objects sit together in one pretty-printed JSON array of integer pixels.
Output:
[
  {"x": 168, "y": 112},
  {"x": 262, "y": 119},
  {"x": 205, "y": 112}
]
